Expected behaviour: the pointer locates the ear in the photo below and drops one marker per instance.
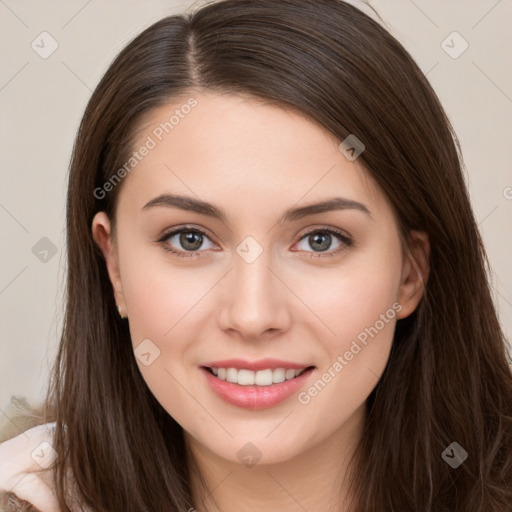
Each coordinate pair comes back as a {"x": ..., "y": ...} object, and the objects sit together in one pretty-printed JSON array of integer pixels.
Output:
[
  {"x": 415, "y": 272},
  {"x": 101, "y": 232}
]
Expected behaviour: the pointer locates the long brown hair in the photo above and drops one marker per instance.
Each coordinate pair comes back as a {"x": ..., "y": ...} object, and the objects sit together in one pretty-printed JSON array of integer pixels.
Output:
[{"x": 447, "y": 379}]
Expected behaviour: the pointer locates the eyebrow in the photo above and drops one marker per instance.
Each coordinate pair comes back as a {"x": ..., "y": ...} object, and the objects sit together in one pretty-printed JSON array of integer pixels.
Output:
[{"x": 195, "y": 205}]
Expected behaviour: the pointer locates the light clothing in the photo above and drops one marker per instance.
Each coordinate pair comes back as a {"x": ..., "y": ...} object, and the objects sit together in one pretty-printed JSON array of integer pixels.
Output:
[
  {"x": 26, "y": 457},
  {"x": 24, "y": 463}
]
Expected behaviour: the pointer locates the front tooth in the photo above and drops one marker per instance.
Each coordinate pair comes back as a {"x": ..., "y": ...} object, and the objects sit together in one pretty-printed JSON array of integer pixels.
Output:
[
  {"x": 246, "y": 377},
  {"x": 278, "y": 375},
  {"x": 263, "y": 378},
  {"x": 258, "y": 378},
  {"x": 232, "y": 375},
  {"x": 290, "y": 374}
]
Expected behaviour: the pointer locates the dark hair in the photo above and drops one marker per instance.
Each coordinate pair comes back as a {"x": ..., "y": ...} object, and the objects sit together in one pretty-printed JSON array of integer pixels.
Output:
[{"x": 447, "y": 378}]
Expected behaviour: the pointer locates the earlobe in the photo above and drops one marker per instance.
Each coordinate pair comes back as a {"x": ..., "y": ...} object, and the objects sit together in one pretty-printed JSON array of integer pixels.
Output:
[
  {"x": 415, "y": 272},
  {"x": 101, "y": 232}
]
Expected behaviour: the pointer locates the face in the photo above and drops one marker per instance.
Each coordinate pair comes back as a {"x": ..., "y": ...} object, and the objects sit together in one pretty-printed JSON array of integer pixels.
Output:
[{"x": 320, "y": 288}]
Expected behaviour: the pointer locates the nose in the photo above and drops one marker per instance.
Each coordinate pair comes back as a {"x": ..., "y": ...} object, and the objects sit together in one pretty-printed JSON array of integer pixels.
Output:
[{"x": 254, "y": 302}]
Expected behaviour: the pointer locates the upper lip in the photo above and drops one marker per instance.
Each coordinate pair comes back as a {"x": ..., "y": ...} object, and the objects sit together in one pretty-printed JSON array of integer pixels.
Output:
[{"x": 261, "y": 364}]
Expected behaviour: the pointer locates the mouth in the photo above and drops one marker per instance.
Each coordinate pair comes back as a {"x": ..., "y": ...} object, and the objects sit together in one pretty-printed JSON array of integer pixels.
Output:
[{"x": 251, "y": 389}]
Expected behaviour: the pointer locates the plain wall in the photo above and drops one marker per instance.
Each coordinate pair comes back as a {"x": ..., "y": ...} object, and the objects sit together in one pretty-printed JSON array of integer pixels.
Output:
[{"x": 42, "y": 101}]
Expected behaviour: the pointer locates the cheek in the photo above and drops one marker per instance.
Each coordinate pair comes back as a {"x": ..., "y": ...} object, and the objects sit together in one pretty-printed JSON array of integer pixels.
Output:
[
  {"x": 161, "y": 297},
  {"x": 356, "y": 307},
  {"x": 163, "y": 303},
  {"x": 352, "y": 296}
]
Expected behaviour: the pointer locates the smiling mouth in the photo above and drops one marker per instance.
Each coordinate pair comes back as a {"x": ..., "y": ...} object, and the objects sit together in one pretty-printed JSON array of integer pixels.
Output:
[{"x": 266, "y": 377}]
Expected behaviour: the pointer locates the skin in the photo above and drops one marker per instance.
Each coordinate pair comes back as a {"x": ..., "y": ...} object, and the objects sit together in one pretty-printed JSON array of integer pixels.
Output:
[{"x": 255, "y": 161}]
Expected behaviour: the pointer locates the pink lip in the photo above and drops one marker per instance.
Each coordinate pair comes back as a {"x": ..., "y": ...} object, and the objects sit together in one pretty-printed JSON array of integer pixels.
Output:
[
  {"x": 255, "y": 397},
  {"x": 262, "y": 364}
]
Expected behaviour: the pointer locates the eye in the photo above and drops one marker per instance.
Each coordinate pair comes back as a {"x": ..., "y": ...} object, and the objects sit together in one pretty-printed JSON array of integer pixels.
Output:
[
  {"x": 321, "y": 240},
  {"x": 189, "y": 241}
]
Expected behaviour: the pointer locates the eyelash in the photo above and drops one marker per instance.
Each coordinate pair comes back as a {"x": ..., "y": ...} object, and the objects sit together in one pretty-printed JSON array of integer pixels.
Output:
[{"x": 345, "y": 240}]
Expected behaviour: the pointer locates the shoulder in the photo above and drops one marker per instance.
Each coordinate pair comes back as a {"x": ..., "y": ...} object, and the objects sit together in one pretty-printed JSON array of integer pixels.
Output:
[{"x": 25, "y": 456}]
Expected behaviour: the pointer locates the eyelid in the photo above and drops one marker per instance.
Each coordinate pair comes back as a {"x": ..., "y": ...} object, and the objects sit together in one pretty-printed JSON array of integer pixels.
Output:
[
  {"x": 326, "y": 229},
  {"x": 177, "y": 229}
]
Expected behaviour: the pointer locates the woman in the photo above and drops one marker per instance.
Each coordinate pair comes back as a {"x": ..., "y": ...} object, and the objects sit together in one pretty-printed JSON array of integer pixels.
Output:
[{"x": 277, "y": 292}]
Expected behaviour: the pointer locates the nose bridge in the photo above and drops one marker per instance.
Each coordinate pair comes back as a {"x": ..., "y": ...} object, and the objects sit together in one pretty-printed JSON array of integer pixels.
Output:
[{"x": 255, "y": 300}]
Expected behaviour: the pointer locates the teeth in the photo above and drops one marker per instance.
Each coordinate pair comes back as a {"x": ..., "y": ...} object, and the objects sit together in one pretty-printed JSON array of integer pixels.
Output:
[
  {"x": 261, "y": 377},
  {"x": 246, "y": 378},
  {"x": 278, "y": 375},
  {"x": 258, "y": 378},
  {"x": 231, "y": 375},
  {"x": 290, "y": 374}
]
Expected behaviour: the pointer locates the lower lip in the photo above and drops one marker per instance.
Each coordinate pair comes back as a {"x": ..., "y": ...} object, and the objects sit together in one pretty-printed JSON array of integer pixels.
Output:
[{"x": 255, "y": 397}]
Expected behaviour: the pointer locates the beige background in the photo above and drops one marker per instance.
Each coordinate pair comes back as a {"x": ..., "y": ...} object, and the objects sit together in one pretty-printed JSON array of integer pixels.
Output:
[{"x": 42, "y": 100}]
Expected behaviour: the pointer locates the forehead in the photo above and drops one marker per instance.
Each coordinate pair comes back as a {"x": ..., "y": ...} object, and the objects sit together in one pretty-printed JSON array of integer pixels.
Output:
[{"x": 230, "y": 148}]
